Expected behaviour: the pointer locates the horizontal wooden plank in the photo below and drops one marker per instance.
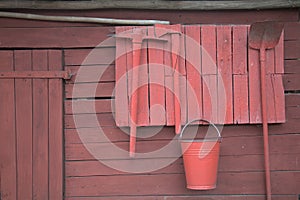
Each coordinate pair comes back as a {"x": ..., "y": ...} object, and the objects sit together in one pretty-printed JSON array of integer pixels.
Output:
[
  {"x": 292, "y": 126},
  {"x": 279, "y": 144},
  {"x": 147, "y": 4},
  {"x": 89, "y": 120},
  {"x": 292, "y": 66},
  {"x": 291, "y": 30},
  {"x": 283, "y": 162},
  {"x": 87, "y": 90},
  {"x": 292, "y": 49},
  {"x": 62, "y": 37},
  {"x": 180, "y": 16},
  {"x": 82, "y": 74},
  {"x": 292, "y": 99},
  {"x": 291, "y": 82},
  {"x": 174, "y": 184},
  {"x": 89, "y": 106},
  {"x": 96, "y": 56},
  {"x": 193, "y": 197}
]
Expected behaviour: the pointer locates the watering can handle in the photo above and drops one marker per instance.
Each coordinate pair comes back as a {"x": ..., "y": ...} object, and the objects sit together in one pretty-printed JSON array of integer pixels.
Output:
[{"x": 199, "y": 119}]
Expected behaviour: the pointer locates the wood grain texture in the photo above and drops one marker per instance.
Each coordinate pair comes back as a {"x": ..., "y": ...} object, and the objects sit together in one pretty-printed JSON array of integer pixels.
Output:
[
  {"x": 56, "y": 149},
  {"x": 8, "y": 136},
  {"x": 56, "y": 37},
  {"x": 148, "y": 4},
  {"x": 240, "y": 99},
  {"x": 239, "y": 49},
  {"x": 224, "y": 63},
  {"x": 228, "y": 183},
  {"x": 40, "y": 127},
  {"x": 193, "y": 68},
  {"x": 121, "y": 102},
  {"x": 23, "y": 89},
  {"x": 156, "y": 79}
]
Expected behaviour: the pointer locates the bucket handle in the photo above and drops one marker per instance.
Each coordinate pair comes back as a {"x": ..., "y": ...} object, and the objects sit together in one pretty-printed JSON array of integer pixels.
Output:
[{"x": 199, "y": 119}]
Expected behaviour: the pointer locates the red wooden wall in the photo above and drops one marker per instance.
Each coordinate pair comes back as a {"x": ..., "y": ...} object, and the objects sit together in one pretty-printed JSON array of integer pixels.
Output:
[
  {"x": 31, "y": 127},
  {"x": 241, "y": 171}
]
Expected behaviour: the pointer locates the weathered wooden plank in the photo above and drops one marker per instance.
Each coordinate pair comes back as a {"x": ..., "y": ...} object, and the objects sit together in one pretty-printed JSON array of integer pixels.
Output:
[
  {"x": 292, "y": 99},
  {"x": 210, "y": 108},
  {"x": 89, "y": 106},
  {"x": 270, "y": 95},
  {"x": 278, "y": 97},
  {"x": 146, "y": 4},
  {"x": 8, "y": 152},
  {"x": 40, "y": 127},
  {"x": 291, "y": 30},
  {"x": 89, "y": 120},
  {"x": 169, "y": 83},
  {"x": 239, "y": 49},
  {"x": 56, "y": 143},
  {"x": 287, "y": 162},
  {"x": 121, "y": 102},
  {"x": 292, "y": 66},
  {"x": 232, "y": 146},
  {"x": 209, "y": 49},
  {"x": 240, "y": 99},
  {"x": 279, "y": 56},
  {"x": 228, "y": 183},
  {"x": 291, "y": 82},
  {"x": 193, "y": 197},
  {"x": 183, "y": 99},
  {"x": 23, "y": 89},
  {"x": 193, "y": 68},
  {"x": 90, "y": 90},
  {"x": 224, "y": 63},
  {"x": 87, "y": 73},
  {"x": 254, "y": 86},
  {"x": 143, "y": 113},
  {"x": 270, "y": 61},
  {"x": 156, "y": 79},
  {"x": 96, "y": 56},
  {"x": 292, "y": 49},
  {"x": 67, "y": 37}
]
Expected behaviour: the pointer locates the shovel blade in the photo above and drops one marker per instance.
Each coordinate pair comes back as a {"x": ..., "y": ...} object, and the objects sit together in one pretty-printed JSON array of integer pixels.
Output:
[{"x": 265, "y": 34}]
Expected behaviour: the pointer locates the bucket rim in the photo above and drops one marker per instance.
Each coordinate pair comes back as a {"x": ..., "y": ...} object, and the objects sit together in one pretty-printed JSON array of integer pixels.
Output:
[{"x": 219, "y": 138}]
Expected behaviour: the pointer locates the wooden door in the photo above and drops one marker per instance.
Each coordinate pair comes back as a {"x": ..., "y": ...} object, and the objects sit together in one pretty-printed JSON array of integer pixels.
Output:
[{"x": 31, "y": 125}]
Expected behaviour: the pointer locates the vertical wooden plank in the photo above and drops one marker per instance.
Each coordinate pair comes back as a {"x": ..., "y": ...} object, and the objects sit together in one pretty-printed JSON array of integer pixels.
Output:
[
  {"x": 210, "y": 96},
  {"x": 193, "y": 68},
  {"x": 224, "y": 63},
  {"x": 240, "y": 102},
  {"x": 169, "y": 84},
  {"x": 167, "y": 61},
  {"x": 270, "y": 61},
  {"x": 254, "y": 86},
  {"x": 143, "y": 87},
  {"x": 239, "y": 49},
  {"x": 271, "y": 112},
  {"x": 209, "y": 49},
  {"x": 183, "y": 99},
  {"x": 279, "y": 97},
  {"x": 279, "y": 56},
  {"x": 40, "y": 127},
  {"x": 55, "y": 128},
  {"x": 7, "y": 131},
  {"x": 121, "y": 101},
  {"x": 24, "y": 125},
  {"x": 156, "y": 79}
]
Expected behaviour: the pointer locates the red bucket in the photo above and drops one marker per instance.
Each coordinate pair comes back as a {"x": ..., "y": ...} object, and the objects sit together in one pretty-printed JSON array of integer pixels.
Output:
[{"x": 200, "y": 159}]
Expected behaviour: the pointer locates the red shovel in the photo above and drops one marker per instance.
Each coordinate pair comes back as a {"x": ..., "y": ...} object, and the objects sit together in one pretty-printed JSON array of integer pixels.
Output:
[{"x": 263, "y": 36}]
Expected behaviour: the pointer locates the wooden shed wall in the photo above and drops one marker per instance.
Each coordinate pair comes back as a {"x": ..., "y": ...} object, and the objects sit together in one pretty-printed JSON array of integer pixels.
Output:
[{"x": 241, "y": 171}]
